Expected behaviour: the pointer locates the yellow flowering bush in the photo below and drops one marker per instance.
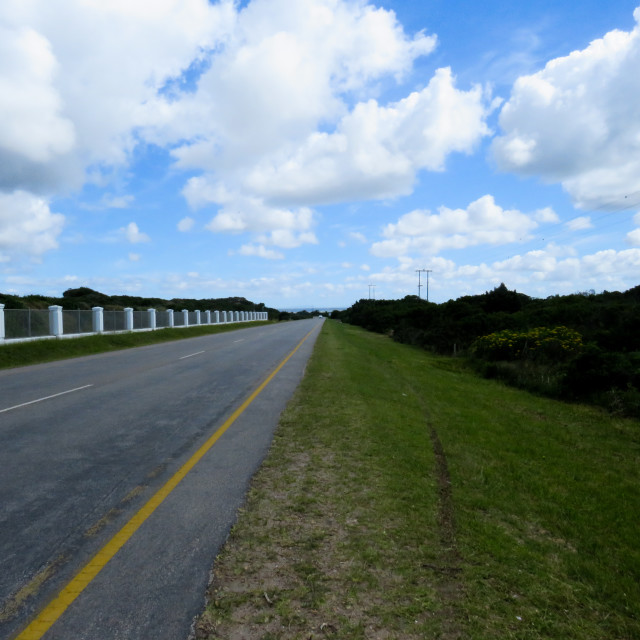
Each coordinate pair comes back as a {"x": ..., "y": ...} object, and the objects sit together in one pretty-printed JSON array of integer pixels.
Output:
[{"x": 555, "y": 345}]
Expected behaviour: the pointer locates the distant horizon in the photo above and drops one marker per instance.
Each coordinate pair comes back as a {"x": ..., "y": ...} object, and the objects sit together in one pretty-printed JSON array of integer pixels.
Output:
[{"x": 328, "y": 308}]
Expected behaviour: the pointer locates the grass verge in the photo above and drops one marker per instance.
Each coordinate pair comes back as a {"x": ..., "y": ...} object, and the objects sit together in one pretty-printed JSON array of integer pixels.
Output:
[
  {"x": 404, "y": 497},
  {"x": 21, "y": 354}
]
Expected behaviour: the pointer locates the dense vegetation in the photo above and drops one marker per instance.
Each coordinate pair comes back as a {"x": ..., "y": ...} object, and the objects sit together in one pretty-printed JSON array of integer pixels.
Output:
[
  {"x": 583, "y": 346},
  {"x": 85, "y": 298}
]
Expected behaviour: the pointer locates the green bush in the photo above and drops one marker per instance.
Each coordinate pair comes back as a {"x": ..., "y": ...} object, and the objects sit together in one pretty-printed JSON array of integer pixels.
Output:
[{"x": 542, "y": 344}]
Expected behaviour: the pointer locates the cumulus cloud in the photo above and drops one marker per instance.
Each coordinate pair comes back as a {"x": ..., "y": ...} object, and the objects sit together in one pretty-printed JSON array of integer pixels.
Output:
[
  {"x": 238, "y": 213},
  {"x": 376, "y": 151},
  {"x": 633, "y": 237},
  {"x": 533, "y": 272},
  {"x": 261, "y": 251},
  {"x": 286, "y": 73},
  {"x": 29, "y": 100},
  {"x": 186, "y": 224},
  {"x": 358, "y": 237},
  {"x": 577, "y": 122},
  {"x": 284, "y": 70},
  {"x": 288, "y": 239},
  {"x": 132, "y": 234},
  {"x": 579, "y": 223},
  {"x": 275, "y": 106},
  {"x": 27, "y": 225},
  {"x": 482, "y": 222},
  {"x": 70, "y": 96}
]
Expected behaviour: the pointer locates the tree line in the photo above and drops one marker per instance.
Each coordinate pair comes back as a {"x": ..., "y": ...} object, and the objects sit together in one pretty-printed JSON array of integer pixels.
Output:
[
  {"x": 86, "y": 298},
  {"x": 583, "y": 346}
]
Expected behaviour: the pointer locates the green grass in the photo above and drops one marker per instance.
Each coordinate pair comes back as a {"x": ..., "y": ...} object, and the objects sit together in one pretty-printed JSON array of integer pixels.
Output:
[
  {"x": 36, "y": 351},
  {"x": 358, "y": 527}
]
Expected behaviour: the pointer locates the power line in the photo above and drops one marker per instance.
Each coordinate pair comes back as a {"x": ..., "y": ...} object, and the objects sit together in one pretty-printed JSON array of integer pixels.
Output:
[{"x": 420, "y": 271}]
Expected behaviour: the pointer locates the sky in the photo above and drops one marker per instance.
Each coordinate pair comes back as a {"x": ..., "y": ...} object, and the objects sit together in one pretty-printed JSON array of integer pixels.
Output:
[{"x": 312, "y": 153}]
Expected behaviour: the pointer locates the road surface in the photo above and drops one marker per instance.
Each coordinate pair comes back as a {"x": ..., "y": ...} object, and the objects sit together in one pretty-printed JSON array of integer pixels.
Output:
[{"x": 86, "y": 444}]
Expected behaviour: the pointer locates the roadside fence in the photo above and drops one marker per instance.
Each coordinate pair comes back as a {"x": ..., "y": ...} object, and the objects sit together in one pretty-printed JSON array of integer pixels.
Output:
[{"x": 55, "y": 322}]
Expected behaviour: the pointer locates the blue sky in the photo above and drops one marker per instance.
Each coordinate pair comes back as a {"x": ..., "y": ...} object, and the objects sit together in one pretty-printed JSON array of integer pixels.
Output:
[{"x": 296, "y": 154}]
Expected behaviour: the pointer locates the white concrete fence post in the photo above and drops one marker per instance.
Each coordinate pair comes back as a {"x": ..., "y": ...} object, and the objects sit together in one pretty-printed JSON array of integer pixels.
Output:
[
  {"x": 55, "y": 320},
  {"x": 56, "y": 326},
  {"x": 128, "y": 319},
  {"x": 97, "y": 319}
]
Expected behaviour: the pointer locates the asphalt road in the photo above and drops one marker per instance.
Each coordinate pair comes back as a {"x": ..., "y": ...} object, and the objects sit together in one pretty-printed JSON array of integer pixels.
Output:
[{"x": 104, "y": 434}]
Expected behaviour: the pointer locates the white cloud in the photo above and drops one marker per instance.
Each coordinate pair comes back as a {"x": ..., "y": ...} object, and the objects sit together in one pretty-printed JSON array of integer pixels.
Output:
[
  {"x": 72, "y": 94},
  {"x": 261, "y": 251},
  {"x": 186, "y": 224},
  {"x": 358, "y": 237},
  {"x": 482, "y": 222},
  {"x": 132, "y": 234},
  {"x": 633, "y": 237},
  {"x": 577, "y": 122},
  {"x": 546, "y": 215},
  {"x": 282, "y": 72},
  {"x": 579, "y": 223},
  {"x": 286, "y": 228},
  {"x": 117, "y": 202},
  {"x": 534, "y": 273},
  {"x": 27, "y": 225},
  {"x": 134, "y": 257},
  {"x": 376, "y": 151},
  {"x": 286, "y": 72},
  {"x": 30, "y": 105},
  {"x": 279, "y": 114},
  {"x": 287, "y": 239}
]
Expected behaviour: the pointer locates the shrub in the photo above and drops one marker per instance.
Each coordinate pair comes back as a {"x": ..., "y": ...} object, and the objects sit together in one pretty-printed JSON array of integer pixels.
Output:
[{"x": 542, "y": 344}]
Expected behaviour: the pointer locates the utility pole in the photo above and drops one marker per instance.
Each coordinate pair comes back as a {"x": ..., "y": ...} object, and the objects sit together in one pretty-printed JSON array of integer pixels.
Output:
[
  {"x": 374, "y": 291},
  {"x": 427, "y": 271}
]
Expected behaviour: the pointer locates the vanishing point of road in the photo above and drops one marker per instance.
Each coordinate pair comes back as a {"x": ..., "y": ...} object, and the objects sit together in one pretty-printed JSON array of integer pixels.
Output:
[{"x": 121, "y": 475}]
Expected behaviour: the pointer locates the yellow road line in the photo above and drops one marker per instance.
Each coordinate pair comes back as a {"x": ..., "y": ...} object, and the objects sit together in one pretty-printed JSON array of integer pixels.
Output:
[{"x": 48, "y": 616}]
